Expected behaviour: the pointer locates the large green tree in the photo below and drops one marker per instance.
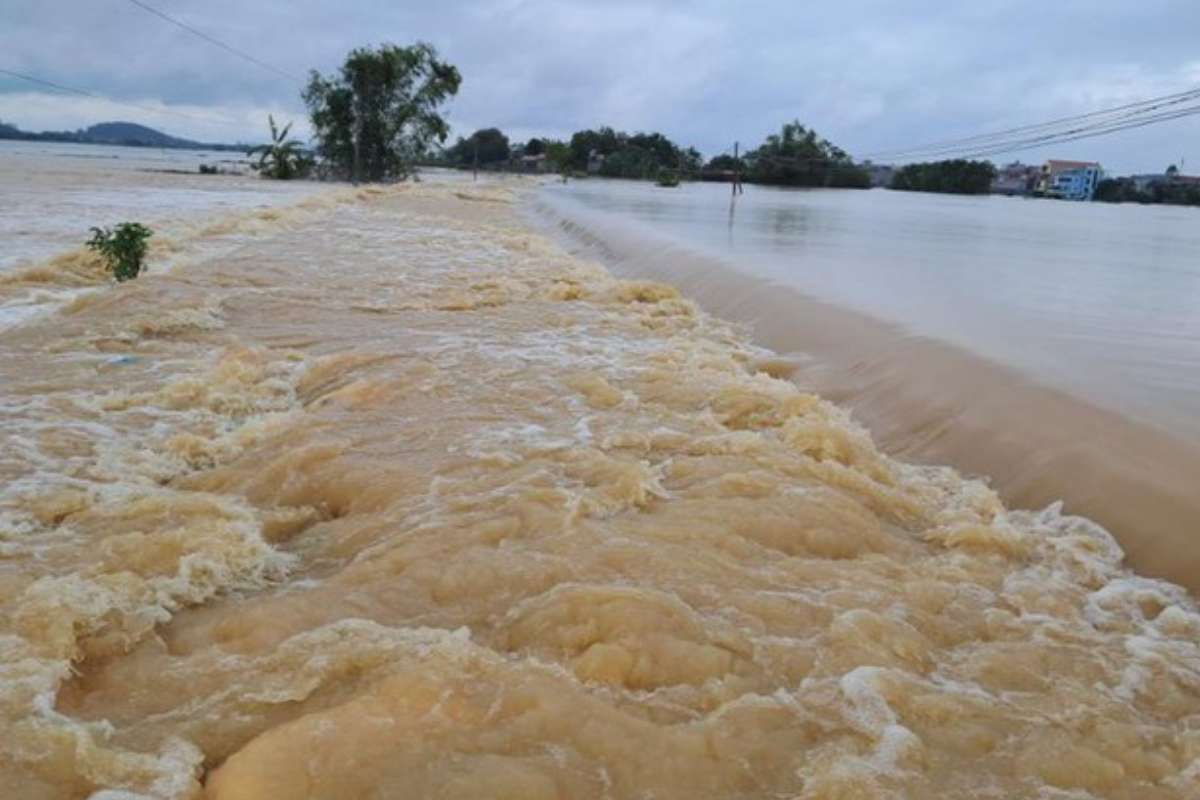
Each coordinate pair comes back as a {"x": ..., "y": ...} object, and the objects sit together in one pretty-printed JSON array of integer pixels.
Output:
[
  {"x": 380, "y": 112},
  {"x": 796, "y": 156}
]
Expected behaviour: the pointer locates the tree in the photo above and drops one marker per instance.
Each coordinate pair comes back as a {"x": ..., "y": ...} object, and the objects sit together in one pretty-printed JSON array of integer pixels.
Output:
[
  {"x": 1120, "y": 190},
  {"x": 956, "y": 176},
  {"x": 641, "y": 156},
  {"x": 376, "y": 116},
  {"x": 284, "y": 158},
  {"x": 586, "y": 145},
  {"x": 725, "y": 163},
  {"x": 485, "y": 146},
  {"x": 559, "y": 156},
  {"x": 796, "y": 156}
]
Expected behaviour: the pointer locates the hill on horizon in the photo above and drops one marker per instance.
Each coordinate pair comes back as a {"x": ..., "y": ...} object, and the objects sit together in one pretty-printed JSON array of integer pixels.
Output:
[
  {"x": 131, "y": 133},
  {"x": 126, "y": 134}
]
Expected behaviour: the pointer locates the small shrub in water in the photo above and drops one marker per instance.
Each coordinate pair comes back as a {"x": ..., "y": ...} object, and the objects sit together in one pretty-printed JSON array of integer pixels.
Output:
[{"x": 123, "y": 248}]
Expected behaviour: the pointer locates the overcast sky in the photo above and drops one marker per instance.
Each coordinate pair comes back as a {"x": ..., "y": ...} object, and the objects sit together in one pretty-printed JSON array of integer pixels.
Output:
[{"x": 869, "y": 75}]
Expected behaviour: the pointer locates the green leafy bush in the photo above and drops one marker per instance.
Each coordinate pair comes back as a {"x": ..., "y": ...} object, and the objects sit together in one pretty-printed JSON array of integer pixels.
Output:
[{"x": 123, "y": 248}]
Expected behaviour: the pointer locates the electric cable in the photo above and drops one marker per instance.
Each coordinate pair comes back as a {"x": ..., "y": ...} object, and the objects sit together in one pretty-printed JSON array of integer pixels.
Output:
[
  {"x": 213, "y": 40},
  {"x": 1082, "y": 126},
  {"x": 85, "y": 93}
]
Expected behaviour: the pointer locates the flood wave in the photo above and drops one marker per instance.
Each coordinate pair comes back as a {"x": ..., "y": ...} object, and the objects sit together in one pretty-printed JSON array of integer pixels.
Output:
[
  {"x": 932, "y": 402},
  {"x": 405, "y": 500}
]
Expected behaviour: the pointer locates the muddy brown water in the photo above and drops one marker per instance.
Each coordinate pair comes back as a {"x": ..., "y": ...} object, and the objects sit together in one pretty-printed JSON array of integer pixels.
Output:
[{"x": 397, "y": 498}]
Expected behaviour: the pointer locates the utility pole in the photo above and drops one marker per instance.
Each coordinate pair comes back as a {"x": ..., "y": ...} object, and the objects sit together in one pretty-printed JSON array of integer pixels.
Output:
[{"x": 737, "y": 173}]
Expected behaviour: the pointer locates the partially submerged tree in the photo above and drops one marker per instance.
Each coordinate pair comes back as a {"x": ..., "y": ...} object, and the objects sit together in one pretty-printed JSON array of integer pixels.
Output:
[
  {"x": 376, "y": 116},
  {"x": 283, "y": 158}
]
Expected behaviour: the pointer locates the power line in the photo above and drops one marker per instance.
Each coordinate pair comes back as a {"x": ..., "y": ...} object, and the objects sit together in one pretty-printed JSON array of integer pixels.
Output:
[
  {"x": 212, "y": 40},
  {"x": 42, "y": 82},
  {"x": 1090, "y": 133},
  {"x": 1082, "y": 126},
  {"x": 980, "y": 138},
  {"x": 85, "y": 93}
]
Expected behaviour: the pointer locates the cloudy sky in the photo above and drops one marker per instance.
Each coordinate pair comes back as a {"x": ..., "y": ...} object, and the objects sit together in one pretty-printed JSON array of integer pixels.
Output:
[{"x": 870, "y": 75}]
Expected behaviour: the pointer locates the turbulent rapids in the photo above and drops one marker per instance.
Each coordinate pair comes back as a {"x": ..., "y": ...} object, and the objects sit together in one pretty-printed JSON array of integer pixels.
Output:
[{"x": 397, "y": 499}]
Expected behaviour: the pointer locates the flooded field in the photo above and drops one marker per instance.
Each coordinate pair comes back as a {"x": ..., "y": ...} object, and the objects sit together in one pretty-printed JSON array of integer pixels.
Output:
[{"x": 390, "y": 496}]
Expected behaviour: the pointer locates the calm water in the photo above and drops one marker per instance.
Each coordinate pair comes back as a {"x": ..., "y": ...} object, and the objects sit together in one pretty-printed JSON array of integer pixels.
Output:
[{"x": 1101, "y": 301}]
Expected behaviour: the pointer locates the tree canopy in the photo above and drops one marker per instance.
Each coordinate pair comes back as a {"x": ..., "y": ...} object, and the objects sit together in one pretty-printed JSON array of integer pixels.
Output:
[
  {"x": 956, "y": 176},
  {"x": 379, "y": 113},
  {"x": 1167, "y": 190},
  {"x": 614, "y": 154},
  {"x": 796, "y": 156},
  {"x": 484, "y": 146}
]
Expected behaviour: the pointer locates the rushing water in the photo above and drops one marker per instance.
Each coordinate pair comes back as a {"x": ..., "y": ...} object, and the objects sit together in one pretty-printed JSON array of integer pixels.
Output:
[
  {"x": 382, "y": 494},
  {"x": 1054, "y": 347},
  {"x": 1095, "y": 299}
]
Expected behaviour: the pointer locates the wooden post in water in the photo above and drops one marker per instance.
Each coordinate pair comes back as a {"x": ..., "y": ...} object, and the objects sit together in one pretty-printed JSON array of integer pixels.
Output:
[{"x": 736, "y": 187}]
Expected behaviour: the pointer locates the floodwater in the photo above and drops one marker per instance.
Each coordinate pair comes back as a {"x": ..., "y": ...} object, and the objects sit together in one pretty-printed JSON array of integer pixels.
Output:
[
  {"x": 1052, "y": 347},
  {"x": 52, "y": 194},
  {"x": 393, "y": 497}
]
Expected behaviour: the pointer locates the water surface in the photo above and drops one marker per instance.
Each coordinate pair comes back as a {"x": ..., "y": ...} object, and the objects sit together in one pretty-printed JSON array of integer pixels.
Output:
[
  {"x": 1096, "y": 299},
  {"x": 383, "y": 494},
  {"x": 1049, "y": 347}
]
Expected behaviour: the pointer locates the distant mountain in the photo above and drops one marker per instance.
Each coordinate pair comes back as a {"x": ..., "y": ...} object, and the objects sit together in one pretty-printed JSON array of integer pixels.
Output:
[
  {"x": 130, "y": 133},
  {"x": 125, "y": 134}
]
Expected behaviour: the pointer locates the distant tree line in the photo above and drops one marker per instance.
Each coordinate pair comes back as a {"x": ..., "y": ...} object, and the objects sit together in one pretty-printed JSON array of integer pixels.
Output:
[
  {"x": 794, "y": 157},
  {"x": 956, "y": 176},
  {"x": 604, "y": 151},
  {"x": 1166, "y": 191}
]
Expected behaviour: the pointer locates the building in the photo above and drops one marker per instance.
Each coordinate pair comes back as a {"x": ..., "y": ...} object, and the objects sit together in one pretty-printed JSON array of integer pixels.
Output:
[
  {"x": 1069, "y": 180},
  {"x": 1016, "y": 179},
  {"x": 537, "y": 164}
]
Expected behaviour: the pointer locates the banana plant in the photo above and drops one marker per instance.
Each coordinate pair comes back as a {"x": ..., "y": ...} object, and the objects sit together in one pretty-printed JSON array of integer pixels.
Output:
[{"x": 282, "y": 159}]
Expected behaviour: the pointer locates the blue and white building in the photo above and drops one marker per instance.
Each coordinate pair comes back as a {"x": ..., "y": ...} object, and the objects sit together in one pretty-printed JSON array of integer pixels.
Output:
[{"x": 1070, "y": 180}]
